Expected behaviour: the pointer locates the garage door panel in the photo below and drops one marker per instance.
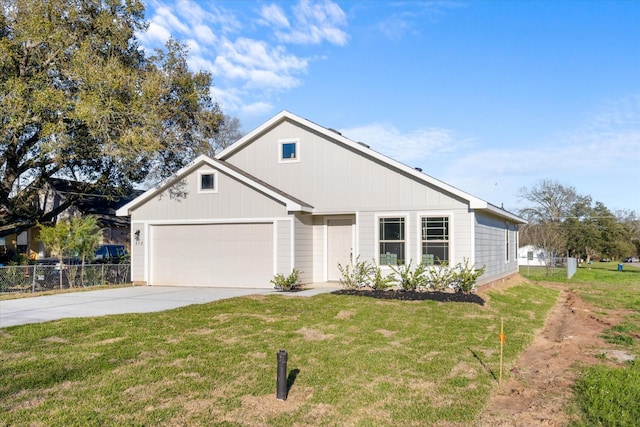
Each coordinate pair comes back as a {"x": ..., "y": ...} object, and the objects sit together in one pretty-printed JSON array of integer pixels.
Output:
[{"x": 212, "y": 255}]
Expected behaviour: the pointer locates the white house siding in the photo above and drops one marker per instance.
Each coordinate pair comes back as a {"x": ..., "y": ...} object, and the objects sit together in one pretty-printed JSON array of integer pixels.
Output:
[
  {"x": 283, "y": 232},
  {"x": 303, "y": 225},
  {"x": 233, "y": 199},
  {"x": 138, "y": 251},
  {"x": 490, "y": 247},
  {"x": 334, "y": 178},
  {"x": 319, "y": 250},
  {"x": 460, "y": 238}
]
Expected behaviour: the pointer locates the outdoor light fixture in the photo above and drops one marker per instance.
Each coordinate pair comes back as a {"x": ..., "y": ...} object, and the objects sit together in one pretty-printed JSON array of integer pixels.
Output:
[{"x": 137, "y": 235}]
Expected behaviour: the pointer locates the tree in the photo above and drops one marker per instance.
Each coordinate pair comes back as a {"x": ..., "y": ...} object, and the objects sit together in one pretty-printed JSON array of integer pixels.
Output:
[
  {"x": 229, "y": 132},
  {"x": 58, "y": 241},
  {"x": 563, "y": 221},
  {"x": 85, "y": 238},
  {"x": 80, "y": 100}
]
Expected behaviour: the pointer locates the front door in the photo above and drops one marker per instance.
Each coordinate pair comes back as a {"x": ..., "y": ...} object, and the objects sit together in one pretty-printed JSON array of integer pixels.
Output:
[{"x": 339, "y": 246}]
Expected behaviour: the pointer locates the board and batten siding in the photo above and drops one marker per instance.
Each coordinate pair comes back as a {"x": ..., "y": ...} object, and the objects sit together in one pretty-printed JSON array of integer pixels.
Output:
[
  {"x": 283, "y": 249},
  {"x": 460, "y": 229},
  {"x": 335, "y": 178},
  {"x": 233, "y": 199},
  {"x": 138, "y": 251},
  {"x": 303, "y": 225},
  {"x": 491, "y": 235}
]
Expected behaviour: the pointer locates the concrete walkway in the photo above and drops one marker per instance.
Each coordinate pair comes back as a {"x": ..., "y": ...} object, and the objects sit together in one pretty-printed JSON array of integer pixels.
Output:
[{"x": 138, "y": 299}]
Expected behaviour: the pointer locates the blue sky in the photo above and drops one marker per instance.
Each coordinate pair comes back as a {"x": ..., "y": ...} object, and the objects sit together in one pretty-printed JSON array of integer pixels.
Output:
[{"x": 488, "y": 96}]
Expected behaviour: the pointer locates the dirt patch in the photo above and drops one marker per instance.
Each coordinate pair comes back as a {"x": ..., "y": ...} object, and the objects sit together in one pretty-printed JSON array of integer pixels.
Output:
[
  {"x": 314, "y": 335},
  {"x": 538, "y": 387}
]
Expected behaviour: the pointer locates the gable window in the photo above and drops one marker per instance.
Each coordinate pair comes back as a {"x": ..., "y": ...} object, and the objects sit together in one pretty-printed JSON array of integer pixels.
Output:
[
  {"x": 208, "y": 182},
  {"x": 435, "y": 240},
  {"x": 392, "y": 241},
  {"x": 289, "y": 150}
]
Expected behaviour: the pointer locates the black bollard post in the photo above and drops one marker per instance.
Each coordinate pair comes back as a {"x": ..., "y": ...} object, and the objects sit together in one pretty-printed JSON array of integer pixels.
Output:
[{"x": 281, "y": 387}]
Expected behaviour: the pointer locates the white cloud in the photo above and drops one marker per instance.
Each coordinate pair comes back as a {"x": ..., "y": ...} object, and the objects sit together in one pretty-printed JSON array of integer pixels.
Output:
[
  {"x": 257, "y": 108},
  {"x": 315, "y": 22},
  {"x": 411, "y": 147},
  {"x": 274, "y": 15}
]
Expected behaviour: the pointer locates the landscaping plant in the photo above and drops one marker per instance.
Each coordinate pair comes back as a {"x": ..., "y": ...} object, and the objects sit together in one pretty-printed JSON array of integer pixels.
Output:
[
  {"x": 356, "y": 275},
  {"x": 465, "y": 276},
  {"x": 411, "y": 280},
  {"x": 287, "y": 283}
]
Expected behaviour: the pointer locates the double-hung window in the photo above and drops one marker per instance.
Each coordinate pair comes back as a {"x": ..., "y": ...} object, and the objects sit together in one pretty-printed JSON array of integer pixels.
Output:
[
  {"x": 392, "y": 241},
  {"x": 435, "y": 240}
]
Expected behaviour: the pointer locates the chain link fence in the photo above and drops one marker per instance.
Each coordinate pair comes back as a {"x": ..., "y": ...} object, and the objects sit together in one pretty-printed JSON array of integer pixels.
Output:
[
  {"x": 38, "y": 278},
  {"x": 550, "y": 267}
]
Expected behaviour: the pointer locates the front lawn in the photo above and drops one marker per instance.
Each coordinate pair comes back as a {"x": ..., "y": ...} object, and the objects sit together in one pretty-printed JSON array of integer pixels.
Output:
[{"x": 352, "y": 360}]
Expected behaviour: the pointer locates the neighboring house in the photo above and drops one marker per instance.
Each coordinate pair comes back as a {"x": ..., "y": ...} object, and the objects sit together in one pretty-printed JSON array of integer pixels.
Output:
[
  {"x": 114, "y": 229},
  {"x": 533, "y": 256},
  {"x": 293, "y": 194}
]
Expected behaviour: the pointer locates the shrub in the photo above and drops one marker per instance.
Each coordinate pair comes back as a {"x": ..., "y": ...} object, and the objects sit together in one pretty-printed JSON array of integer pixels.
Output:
[
  {"x": 411, "y": 280},
  {"x": 287, "y": 283},
  {"x": 380, "y": 282},
  {"x": 357, "y": 275},
  {"x": 465, "y": 276},
  {"x": 440, "y": 277}
]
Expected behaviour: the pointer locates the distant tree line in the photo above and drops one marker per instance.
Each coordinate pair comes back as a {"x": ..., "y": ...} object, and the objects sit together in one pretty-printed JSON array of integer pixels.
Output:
[{"x": 562, "y": 222}]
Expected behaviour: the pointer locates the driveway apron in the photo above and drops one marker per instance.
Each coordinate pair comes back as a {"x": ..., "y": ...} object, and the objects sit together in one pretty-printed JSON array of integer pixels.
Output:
[{"x": 138, "y": 299}]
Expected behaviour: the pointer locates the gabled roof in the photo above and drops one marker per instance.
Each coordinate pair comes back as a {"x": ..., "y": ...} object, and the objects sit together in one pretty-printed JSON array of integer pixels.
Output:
[
  {"x": 474, "y": 202},
  {"x": 292, "y": 204}
]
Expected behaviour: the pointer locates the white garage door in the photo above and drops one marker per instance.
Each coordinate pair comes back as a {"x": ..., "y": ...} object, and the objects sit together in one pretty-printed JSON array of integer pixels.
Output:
[{"x": 225, "y": 255}]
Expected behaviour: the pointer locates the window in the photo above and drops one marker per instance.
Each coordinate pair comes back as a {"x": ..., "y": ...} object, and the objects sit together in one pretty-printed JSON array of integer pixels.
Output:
[
  {"x": 391, "y": 241},
  {"x": 529, "y": 255},
  {"x": 435, "y": 240},
  {"x": 506, "y": 243},
  {"x": 289, "y": 151},
  {"x": 208, "y": 182}
]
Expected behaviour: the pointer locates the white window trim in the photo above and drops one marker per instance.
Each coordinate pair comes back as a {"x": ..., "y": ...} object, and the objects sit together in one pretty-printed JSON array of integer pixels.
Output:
[
  {"x": 449, "y": 214},
  {"x": 215, "y": 181},
  {"x": 281, "y": 142},
  {"x": 376, "y": 240}
]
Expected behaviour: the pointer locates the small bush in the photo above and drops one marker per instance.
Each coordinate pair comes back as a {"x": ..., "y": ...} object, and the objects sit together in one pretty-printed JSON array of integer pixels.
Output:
[
  {"x": 411, "y": 280},
  {"x": 465, "y": 276},
  {"x": 440, "y": 277},
  {"x": 287, "y": 283},
  {"x": 356, "y": 275},
  {"x": 380, "y": 282}
]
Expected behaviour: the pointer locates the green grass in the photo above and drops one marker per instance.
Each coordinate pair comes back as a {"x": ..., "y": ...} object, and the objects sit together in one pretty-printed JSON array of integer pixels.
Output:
[
  {"x": 606, "y": 395},
  {"x": 356, "y": 361}
]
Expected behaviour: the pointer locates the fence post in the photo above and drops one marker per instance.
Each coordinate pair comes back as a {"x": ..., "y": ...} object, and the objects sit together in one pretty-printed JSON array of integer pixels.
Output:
[
  {"x": 33, "y": 280},
  {"x": 102, "y": 274}
]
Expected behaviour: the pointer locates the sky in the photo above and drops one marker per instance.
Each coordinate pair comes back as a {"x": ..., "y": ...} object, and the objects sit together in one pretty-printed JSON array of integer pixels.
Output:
[{"x": 488, "y": 96}]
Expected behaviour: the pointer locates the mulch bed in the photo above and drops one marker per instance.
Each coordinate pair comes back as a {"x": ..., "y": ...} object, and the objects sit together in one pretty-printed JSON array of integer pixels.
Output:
[{"x": 413, "y": 296}]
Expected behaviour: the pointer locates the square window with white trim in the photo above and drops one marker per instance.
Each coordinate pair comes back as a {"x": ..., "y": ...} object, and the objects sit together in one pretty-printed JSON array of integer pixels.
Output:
[
  {"x": 392, "y": 241},
  {"x": 289, "y": 150},
  {"x": 435, "y": 240},
  {"x": 207, "y": 182}
]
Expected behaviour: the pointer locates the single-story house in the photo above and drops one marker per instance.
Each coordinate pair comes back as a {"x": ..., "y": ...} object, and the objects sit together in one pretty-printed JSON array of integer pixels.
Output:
[
  {"x": 115, "y": 229},
  {"x": 293, "y": 194},
  {"x": 533, "y": 256}
]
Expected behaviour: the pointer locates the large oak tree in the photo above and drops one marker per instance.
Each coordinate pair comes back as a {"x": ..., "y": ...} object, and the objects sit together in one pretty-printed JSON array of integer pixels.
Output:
[{"x": 80, "y": 100}]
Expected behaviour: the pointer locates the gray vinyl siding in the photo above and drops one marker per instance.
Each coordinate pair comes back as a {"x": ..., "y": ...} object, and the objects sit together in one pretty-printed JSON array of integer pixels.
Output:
[
  {"x": 283, "y": 247},
  {"x": 304, "y": 247},
  {"x": 233, "y": 199},
  {"x": 490, "y": 247},
  {"x": 334, "y": 178}
]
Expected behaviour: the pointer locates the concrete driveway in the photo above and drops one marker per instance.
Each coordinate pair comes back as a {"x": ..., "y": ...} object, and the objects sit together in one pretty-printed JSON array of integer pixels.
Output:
[{"x": 138, "y": 299}]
